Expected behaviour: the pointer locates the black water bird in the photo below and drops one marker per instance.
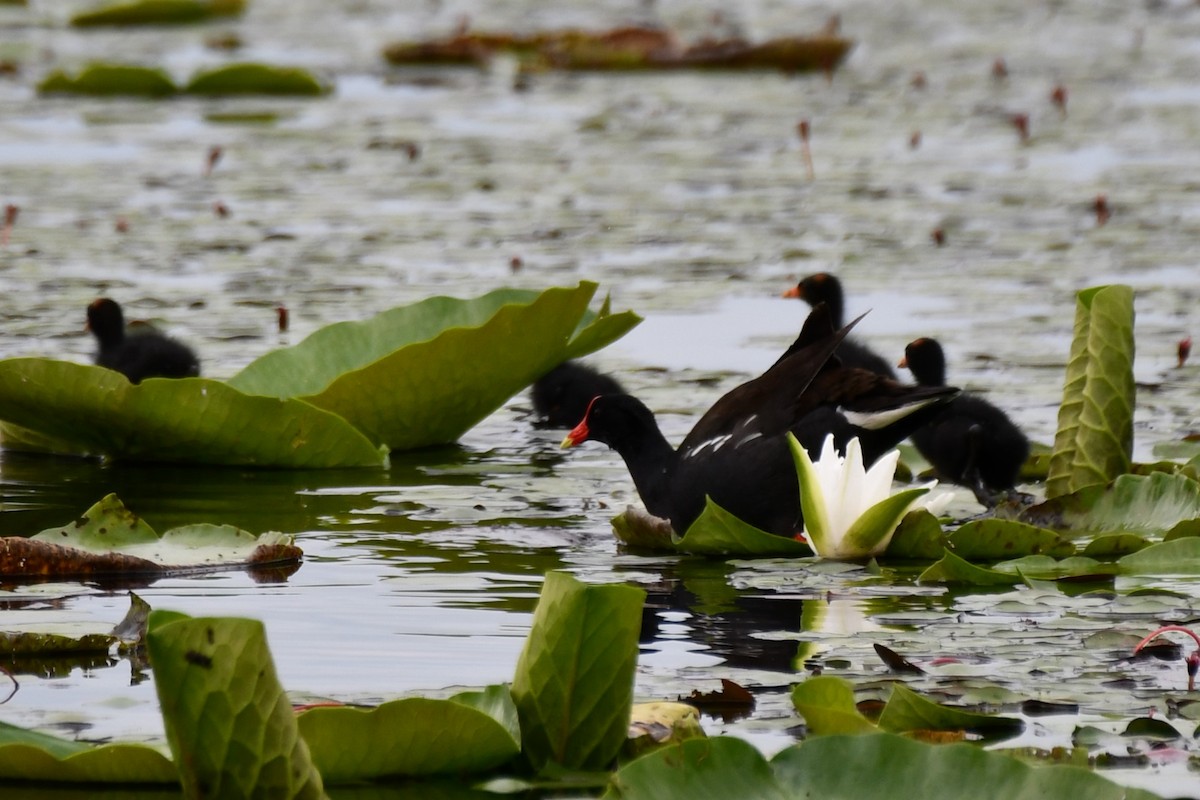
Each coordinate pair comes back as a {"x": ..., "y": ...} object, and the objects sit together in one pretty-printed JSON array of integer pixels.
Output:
[
  {"x": 737, "y": 453},
  {"x": 561, "y": 396},
  {"x": 139, "y": 353},
  {"x": 968, "y": 441},
  {"x": 825, "y": 288}
]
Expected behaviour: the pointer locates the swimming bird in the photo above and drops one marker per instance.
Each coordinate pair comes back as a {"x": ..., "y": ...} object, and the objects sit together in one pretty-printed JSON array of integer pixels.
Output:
[
  {"x": 822, "y": 287},
  {"x": 737, "y": 453},
  {"x": 138, "y": 354},
  {"x": 968, "y": 441}
]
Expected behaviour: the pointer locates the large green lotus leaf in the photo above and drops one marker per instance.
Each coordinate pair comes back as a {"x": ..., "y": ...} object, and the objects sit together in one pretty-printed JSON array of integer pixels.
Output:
[
  {"x": 720, "y": 768},
  {"x": 1146, "y": 504},
  {"x": 189, "y": 420},
  {"x": 875, "y": 767},
  {"x": 908, "y": 711},
  {"x": 953, "y": 569},
  {"x": 157, "y": 12},
  {"x": 229, "y": 723},
  {"x": 111, "y": 79},
  {"x": 424, "y": 374},
  {"x": 1176, "y": 557},
  {"x": 1094, "y": 442},
  {"x": 827, "y": 705},
  {"x": 716, "y": 532},
  {"x": 997, "y": 539},
  {"x": 31, "y": 756},
  {"x": 254, "y": 79},
  {"x": 415, "y": 736},
  {"x": 574, "y": 680}
]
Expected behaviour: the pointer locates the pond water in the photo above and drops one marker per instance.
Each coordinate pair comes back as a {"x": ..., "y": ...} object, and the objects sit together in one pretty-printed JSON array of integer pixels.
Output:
[{"x": 685, "y": 196}]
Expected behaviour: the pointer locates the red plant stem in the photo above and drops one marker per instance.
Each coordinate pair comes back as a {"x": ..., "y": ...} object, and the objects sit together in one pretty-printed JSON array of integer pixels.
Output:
[{"x": 803, "y": 129}]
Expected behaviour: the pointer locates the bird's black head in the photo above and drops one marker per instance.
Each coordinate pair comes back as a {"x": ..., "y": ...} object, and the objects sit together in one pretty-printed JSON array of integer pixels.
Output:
[
  {"x": 925, "y": 359},
  {"x": 613, "y": 419},
  {"x": 105, "y": 320}
]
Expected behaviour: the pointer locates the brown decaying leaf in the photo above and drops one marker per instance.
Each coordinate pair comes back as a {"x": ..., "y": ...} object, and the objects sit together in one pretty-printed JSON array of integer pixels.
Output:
[
  {"x": 896, "y": 662},
  {"x": 731, "y": 696},
  {"x": 21, "y": 557},
  {"x": 626, "y": 48}
]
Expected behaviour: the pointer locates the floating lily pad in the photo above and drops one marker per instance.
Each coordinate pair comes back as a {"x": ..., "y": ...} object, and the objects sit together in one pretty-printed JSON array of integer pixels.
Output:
[
  {"x": 1146, "y": 504},
  {"x": 953, "y": 569},
  {"x": 255, "y": 79},
  {"x": 908, "y": 711},
  {"x": 919, "y": 536},
  {"x": 997, "y": 539},
  {"x": 716, "y": 532},
  {"x": 31, "y": 756},
  {"x": 468, "y": 733},
  {"x": 655, "y": 725},
  {"x": 111, "y": 79},
  {"x": 40, "y": 633},
  {"x": 109, "y": 539},
  {"x": 158, "y": 12},
  {"x": 1094, "y": 441},
  {"x": 1176, "y": 557},
  {"x": 637, "y": 528},
  {"x": 828, "y": 707}
]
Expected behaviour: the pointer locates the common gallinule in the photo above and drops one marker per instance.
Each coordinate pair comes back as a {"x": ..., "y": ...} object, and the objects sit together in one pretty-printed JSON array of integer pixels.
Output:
[
  {"x": 737, "y": 453},
  {"x": 561, "y": 396},
  {"x": 825, "y": 288},
  {"x": 137, "y": 354},
  {"x": 968, "y": 441}
]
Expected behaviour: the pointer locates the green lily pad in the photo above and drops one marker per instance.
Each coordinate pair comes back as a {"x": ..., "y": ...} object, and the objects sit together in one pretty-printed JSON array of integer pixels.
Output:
[
  {"x": 111, "y": 79},
  {"x": 908, "y": 711},
  {"x": 411, "y": 377},
  {"x": 229, "y": 723},
  {"x": 953, "y": 569},
  {"x": 158, "y": 12},
  {"x": 574, "y": 680},
  {"x": 996, "y": 539},
  {"x": 255, "y": 79},
  {"x": 40, "y": 633},
  {"x": 919, "y": 536},
  {"x": 702, "y": 769},
  {"x": 469, "y": 733},
  {"x": 31, "y": 756},
  {"x": 1176, "y": 557},
  {"x": 1094, "y": 442},
  {"x": 444, "y": 363},
  {"x": 190, "y": 420},
  {"x": 828, "y": 707},
  {"x": 1147, "y": 504},
  {"x": 852, "y": 766},
  {"x": 716, "y": 532},
  {"x": 1115, "y": 544}
]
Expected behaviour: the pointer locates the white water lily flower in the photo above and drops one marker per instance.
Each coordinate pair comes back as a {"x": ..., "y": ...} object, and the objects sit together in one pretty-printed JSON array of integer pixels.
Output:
[{"x": 850, "y": 512}]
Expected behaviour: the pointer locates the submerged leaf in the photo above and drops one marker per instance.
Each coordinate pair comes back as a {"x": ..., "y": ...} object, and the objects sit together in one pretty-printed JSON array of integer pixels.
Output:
[
  {"x": 229, "y": 723},
  {"x": 574, "y": 681},
  {"x": 157, "y": 12},
  {"x": 1094, "y": 442},
  {"x": 254, "y": 79},
  {"x": 111, "y": 79}
]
